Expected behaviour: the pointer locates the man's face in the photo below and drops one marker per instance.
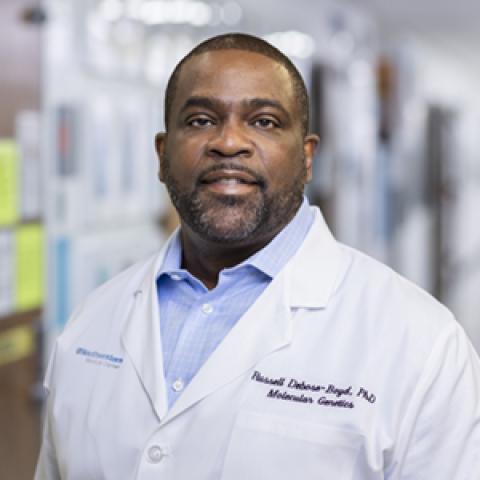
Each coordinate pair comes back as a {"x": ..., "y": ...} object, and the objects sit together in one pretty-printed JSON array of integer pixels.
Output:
[{"x": 234, "y": 159}]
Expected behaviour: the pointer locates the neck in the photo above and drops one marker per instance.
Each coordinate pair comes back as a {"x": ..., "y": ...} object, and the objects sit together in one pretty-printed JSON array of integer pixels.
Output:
[{"x": 205, "y": 259}]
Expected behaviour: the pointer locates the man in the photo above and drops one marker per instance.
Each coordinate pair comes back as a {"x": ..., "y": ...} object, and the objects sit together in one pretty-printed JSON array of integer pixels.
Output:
[{"x": 254, "y": 346}]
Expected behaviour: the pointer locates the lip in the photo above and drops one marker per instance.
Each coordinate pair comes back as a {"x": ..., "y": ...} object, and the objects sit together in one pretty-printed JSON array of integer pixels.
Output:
[
  {"x": 230, "y": 182},
  {"x": 229, "y": 177}
]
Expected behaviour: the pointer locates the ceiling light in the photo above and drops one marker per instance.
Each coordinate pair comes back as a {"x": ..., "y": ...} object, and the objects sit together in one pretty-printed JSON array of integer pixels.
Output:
[
  {"x": 231, "y": 13},
  {"x": 191, "y": 12},
  {"x": 111, "y": 10},
  {"x": 293, "y": 43}
]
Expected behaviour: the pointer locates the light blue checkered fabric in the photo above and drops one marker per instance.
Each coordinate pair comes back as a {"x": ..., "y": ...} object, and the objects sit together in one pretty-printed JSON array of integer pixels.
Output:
[{"x": 194, "y": 320}]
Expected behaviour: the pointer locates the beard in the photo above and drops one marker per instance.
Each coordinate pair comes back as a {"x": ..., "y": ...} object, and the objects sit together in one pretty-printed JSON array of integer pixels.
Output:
[{"x": 232, "y": 219}]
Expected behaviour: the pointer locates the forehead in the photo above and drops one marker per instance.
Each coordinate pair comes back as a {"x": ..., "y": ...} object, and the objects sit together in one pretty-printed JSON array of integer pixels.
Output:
[{"x": 234, "y": 75}]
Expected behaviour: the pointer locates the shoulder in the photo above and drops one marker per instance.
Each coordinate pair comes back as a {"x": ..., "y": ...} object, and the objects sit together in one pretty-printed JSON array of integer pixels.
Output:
[
  {"x": 361, "y": 291},
  {"x": 391, "y": 305},
  {"x": 375, "y": 280}
]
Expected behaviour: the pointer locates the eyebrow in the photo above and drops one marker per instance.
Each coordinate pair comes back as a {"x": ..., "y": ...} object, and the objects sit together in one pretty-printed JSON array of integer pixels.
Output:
[
  {"x": 213, "y": 104},
  {"x": 204, "y": 102},
  {"x": 267, "y": 102}
]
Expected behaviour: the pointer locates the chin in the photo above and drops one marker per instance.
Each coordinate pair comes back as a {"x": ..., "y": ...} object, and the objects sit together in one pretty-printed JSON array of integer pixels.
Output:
[
  {"x": 228, "y": 224},
  {"x": 235, "y": 219}
]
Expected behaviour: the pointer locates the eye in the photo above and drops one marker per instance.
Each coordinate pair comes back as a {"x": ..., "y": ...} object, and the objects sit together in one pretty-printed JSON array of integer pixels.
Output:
[
  {"x": 199, "y": 122},
  {"x": 265, "y": 123}
]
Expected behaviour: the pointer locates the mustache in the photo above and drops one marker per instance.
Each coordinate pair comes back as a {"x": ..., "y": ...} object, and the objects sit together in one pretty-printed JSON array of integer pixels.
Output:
[{"x": 259, "y": 179}]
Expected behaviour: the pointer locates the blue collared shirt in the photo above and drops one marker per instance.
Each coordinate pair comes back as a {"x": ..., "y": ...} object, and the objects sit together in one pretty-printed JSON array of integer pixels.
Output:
[{"x": 194, "y": 320}]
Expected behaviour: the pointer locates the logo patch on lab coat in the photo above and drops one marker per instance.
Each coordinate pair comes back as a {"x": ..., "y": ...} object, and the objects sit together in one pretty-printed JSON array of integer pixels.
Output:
[{"x": 98, "y": 358}]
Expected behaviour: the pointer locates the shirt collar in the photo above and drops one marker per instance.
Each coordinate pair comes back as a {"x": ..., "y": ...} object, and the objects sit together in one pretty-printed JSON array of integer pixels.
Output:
[
  {"x": 173, "y": 256},
  {"x": 269, "y": 260}
]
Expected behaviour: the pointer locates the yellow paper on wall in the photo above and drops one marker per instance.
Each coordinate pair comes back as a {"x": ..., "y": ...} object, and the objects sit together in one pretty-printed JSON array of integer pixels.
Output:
[
  {"x": 29, "y": 266},
  {"x": 15, "y": 344},
  {"x": 8, "y": 182}
]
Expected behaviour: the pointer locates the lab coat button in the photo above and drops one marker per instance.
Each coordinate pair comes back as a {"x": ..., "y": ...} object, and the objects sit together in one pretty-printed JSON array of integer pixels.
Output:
[
  {"x": 178, "y": 385},
  {"x": 207, "y": 308},
  {"x": 155, "y": 454}
]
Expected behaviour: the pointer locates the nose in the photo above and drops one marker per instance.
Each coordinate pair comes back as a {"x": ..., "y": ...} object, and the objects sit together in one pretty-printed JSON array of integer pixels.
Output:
[{"x": 230, "y": 141}]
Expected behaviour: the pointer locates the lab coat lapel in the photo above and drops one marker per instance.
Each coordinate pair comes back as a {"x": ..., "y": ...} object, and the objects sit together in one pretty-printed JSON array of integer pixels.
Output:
[
  {"x": 141, "y": 340},
  {"x": 265, "y": 327}
]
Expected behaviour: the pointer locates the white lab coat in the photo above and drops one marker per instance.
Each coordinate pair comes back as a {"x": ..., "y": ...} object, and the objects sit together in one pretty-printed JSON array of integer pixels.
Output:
[{"x": 340, "y": 370}]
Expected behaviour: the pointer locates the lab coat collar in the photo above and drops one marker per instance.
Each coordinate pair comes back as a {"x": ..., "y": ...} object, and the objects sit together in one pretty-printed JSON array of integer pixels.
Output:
[
  {"x": 317, "y": 268},
  {"x": 308, "y": 281},
  {"x": 265, "y": 327}
]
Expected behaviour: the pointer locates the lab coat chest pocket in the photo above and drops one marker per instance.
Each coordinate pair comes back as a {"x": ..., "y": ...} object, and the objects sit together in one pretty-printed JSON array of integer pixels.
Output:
[{"x": 265, "y": 446}]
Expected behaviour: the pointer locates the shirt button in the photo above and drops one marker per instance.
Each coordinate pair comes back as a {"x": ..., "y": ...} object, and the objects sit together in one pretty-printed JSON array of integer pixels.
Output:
[
  {"x": 207, "y": 308},
  {"x": 175, "y": 276},
  {"x": 178, "y": 385},
  {"x": 155, "y": 454}
]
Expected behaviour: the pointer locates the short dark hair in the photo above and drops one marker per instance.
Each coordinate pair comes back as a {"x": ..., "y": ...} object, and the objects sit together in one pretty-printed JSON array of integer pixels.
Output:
[{"x": 249, "y": 43}]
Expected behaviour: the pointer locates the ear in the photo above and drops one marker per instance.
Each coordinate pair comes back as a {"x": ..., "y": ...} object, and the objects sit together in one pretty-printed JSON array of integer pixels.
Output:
[
  {"x": 310, "y": 143},
  {"x": 160, "y": 140}
]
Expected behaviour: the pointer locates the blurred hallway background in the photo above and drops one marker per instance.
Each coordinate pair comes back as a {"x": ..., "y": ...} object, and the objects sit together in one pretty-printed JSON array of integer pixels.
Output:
[{"x": 395, "y": 100}]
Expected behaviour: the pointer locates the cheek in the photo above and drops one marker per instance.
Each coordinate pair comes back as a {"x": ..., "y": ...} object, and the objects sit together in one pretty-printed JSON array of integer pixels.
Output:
[
  {"x": 285, "y": 164},
  {"x": 184, "y": 159}
]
